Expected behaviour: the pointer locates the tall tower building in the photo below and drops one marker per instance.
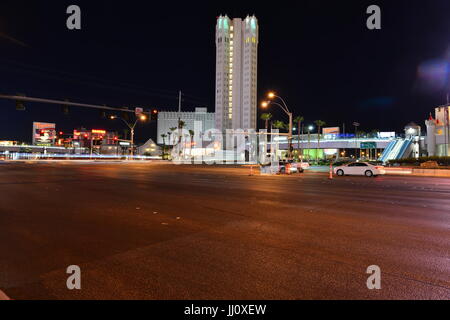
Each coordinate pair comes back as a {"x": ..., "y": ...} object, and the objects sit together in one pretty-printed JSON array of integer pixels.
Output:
[{"x": 236, "y": 73}]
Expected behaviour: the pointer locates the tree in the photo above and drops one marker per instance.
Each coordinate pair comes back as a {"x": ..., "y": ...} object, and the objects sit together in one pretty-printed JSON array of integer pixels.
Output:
[
  {"x": 266, "y": 117},
  {"x": 374, "y": 133},
  {"x": 164, "y": 136},
  {"x": 181, "y": 125},
  {"x": 125, "y": 133},
  {"x": 299, "y": 120},
  {"x": 170, "y": 133},
  {"x": 361, "y": 134},
  {"x": 191, "y": 134},
  {"x": 277, "y": 124},
  {"x": 319, "y": 124}
]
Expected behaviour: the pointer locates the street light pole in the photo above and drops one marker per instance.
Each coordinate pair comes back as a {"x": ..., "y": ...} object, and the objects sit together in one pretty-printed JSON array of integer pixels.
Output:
[
  {"x": 356, "y": 124},
  {"x": 285, "y": 108},
  {"x": 309, "y": 142},
  {"x": 131, "y": 127},
  {"x": 132, "y": 140},
  {"x": 290, "y": 135}
]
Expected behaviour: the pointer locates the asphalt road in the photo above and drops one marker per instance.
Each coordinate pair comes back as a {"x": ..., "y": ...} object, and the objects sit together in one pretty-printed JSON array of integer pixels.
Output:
[{"x": 160, "y": 231}]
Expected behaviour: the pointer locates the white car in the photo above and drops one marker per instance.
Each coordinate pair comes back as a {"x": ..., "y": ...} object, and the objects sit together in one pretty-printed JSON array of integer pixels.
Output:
[
  {"x": 303, "y": 165},
  {"x": 359, "y": 169}
]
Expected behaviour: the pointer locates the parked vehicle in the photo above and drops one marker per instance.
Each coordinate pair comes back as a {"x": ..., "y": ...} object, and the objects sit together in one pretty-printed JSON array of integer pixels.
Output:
[
  {"x": 359, "y": 169},
  {"x": 303, "y": 165},
  {"x": 294, "y": 167}
]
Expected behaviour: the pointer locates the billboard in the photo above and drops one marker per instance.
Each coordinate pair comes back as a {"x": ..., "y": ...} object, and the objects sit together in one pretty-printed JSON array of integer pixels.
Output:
[
  {"x": 386, "y": 135},
  {"x": 44, "y": 134},
  {"x": 331, "y": 130}
]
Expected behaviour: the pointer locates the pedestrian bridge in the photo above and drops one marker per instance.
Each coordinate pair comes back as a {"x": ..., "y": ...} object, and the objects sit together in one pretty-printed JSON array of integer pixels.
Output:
[{"x": 331, "y": 142}]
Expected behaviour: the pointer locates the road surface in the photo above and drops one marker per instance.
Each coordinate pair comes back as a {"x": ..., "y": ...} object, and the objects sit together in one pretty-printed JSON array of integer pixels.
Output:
[{"x": 160, "y": 231}]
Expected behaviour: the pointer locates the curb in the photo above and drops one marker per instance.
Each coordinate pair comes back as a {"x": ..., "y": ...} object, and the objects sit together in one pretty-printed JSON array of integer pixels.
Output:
[{"x": 3, "y": 296}]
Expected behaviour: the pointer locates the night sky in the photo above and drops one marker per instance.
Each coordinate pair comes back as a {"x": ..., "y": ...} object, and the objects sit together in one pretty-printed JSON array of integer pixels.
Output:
[{"x": 318, "y": 55}]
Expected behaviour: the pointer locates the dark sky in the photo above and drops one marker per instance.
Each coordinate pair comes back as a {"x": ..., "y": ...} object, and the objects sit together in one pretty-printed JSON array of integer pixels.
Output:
[{"x": 318, "y": 55}]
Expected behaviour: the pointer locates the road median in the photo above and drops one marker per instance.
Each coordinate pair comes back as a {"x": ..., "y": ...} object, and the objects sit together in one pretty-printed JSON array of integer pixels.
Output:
[{"x": 418, "y": 172}]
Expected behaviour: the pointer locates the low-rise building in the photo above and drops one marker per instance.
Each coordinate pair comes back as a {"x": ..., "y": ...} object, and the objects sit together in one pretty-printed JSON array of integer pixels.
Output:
[
  {"x": 150, "y": 148},
  {"x": 169, "y": 119},
  {"x": 438, "y": 132}
]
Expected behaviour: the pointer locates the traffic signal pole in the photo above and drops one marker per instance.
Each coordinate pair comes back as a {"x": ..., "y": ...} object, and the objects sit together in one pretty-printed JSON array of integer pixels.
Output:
[{"x": 63, "y": 102}]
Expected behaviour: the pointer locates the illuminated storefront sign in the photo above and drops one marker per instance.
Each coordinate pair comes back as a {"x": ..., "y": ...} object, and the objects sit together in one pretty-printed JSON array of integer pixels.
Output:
[
  {"x": 94, "y": 131},
  {"x": 44, "y": 134}
]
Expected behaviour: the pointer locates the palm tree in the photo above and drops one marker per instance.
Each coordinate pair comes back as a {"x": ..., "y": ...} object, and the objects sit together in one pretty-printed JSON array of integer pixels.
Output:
[
  {"x": 319, "y": 124},
  {"x": 191, "y": 134},
  {"x": 361, "y": 134},
  {"x": 299, "y": 121},
  {"x": 164, "y": 136},
  {"x": 277, "y": 124},
  {"x": 374, "y": 133},
  {"x": 125, "y": 133},
  {"x": 266, "y": 117},
  {"x": 172, "y": 131},
  {"x": 181, "y": 125}
]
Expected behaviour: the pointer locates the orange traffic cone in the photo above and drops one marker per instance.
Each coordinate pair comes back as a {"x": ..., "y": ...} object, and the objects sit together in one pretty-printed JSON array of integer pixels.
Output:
[{"x": 331, "y": 171}]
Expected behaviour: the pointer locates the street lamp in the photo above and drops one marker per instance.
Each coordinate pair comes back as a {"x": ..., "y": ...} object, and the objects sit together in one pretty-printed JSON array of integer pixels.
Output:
[
  {"x": 310, "y": 128},
  {"x": 141, "y": 117},
  {"x": 284, "y": 107},
  {"x": 356, "y": 125}
]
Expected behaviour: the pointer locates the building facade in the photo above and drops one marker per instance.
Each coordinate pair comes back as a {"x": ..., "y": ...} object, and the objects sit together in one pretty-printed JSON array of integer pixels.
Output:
[
  {"x": 149, "y": 149},
  {"x": 169, "y": 119},
  {"x": 438, "y": 132},
  {"x": 236, "y": 73}
]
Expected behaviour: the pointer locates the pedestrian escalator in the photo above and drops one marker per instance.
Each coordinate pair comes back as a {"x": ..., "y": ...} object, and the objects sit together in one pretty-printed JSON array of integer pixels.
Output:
[{"x": 397, "y": 149}]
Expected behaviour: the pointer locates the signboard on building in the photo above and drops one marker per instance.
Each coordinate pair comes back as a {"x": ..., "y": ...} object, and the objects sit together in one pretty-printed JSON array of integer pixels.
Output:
[
  {"x": 331, "y": 130},
  {"x": 386, "y": 135},
  {"x": 44, "y": 134}
]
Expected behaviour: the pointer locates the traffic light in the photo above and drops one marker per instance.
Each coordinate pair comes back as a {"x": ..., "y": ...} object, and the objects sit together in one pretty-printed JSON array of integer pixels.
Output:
[
  {"x": 65, "y": 110},
  {"x": 103, "y": 114},
  {"x": 20, "y": 106},
  {"x": 154, "y": 115}
]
